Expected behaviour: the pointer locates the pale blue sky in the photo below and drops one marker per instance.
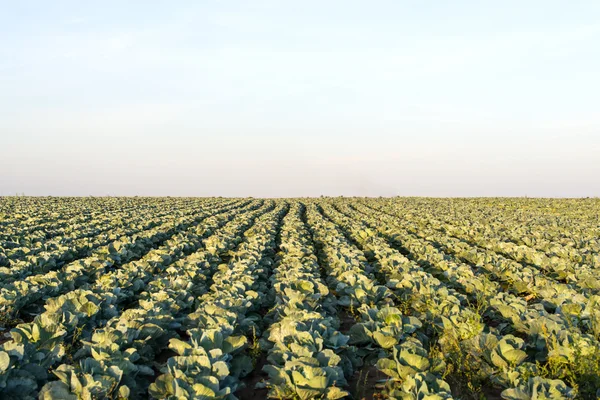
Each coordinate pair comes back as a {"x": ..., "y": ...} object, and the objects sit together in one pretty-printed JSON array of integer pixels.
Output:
[{"x": 300, "y": 98}]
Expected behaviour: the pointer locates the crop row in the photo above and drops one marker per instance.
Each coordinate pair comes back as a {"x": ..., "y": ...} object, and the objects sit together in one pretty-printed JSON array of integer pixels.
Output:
[
  {"x": 63, "y": 251},
  {"x": 553, "y": 339},
  {"x": 39, "y": 345}
]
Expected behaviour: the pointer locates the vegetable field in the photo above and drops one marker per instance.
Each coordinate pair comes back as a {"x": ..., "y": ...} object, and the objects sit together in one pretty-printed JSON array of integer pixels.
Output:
[{"x": 328, "y": 298}]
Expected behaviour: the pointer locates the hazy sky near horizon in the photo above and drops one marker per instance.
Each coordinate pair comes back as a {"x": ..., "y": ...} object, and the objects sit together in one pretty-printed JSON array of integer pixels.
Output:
[{"x": 289, "y": 98}]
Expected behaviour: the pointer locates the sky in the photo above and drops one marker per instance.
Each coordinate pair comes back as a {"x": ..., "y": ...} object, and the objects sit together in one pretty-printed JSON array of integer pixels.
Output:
[{"x": 282, "y": 98}]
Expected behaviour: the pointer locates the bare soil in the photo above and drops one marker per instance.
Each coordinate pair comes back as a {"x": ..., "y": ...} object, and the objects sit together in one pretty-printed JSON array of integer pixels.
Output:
[
  {"x": 249, "y": 392},
  {"x": 363, "y": 384}
]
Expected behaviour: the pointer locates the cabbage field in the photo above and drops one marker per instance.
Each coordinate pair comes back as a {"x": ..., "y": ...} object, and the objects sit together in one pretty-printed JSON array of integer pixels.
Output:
[{"x": 323, "y": 298}]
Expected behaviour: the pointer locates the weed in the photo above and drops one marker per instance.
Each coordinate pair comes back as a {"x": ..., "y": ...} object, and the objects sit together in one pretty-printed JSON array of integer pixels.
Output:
[
  {"x": 8, "y": 319},
  {"x": 70, "y": 348},
  {"x": 462, "y": 368},
  {"x": 254, "y": 348}
]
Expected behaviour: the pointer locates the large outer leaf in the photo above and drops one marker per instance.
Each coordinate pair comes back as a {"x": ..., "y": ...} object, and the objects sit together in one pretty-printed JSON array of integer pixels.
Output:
[
  {"x": 4, "y": 361},
  {"x": 56, "y": 391},
  {"x": 386, "y": 342}
]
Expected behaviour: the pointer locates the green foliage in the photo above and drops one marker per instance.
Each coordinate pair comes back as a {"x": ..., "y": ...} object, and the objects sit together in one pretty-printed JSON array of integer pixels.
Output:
[{"x": 178, "y": 298}]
